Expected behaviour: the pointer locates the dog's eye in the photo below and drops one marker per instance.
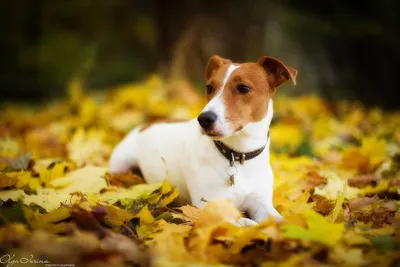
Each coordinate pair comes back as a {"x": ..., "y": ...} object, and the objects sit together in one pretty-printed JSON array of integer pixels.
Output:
[
  {"x": 243, "y": 89},
  {"x": 209, "y": 89}
]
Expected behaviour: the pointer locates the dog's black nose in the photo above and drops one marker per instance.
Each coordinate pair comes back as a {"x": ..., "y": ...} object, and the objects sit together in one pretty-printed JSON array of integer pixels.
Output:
[{"x": 207, "y": 119}]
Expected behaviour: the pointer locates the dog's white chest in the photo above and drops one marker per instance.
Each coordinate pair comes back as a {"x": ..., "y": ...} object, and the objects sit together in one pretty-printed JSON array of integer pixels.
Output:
[{"x": 208, "y": 175}]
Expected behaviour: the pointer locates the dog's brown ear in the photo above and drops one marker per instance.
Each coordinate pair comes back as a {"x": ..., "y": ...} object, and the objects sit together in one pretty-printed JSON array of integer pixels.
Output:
[
  {"x": 215, "y": 63},
  {"x": 278, "y": 73}
]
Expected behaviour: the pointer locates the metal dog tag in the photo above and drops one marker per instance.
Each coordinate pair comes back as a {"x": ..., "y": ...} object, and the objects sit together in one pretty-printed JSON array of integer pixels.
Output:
[{"x": 231, "y": 171}]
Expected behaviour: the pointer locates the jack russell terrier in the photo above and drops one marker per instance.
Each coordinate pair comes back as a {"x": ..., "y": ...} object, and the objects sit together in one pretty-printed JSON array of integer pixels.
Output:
[{"x": 224, "y": 153}]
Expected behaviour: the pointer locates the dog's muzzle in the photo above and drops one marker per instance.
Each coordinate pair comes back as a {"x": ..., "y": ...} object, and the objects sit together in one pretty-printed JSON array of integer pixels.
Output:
[{"x": 207, "y": 120}]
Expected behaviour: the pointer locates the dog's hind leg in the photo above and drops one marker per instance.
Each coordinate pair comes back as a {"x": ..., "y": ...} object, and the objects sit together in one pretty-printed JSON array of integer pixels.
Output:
[{"x": 123, "y": 158}]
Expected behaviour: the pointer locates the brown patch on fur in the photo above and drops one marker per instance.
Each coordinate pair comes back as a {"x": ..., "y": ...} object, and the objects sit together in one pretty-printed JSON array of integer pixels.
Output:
[
  {"x": 146, "y": 126},
  {"x": 214, "y": 64},
  {"x": 277, "y": 72},
  {"x": 216, "y": 81},
  {"x": 251, "y": 107}
]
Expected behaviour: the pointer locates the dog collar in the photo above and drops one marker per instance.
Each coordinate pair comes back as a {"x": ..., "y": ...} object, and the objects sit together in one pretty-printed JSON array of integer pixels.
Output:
[{"x": 233, "y": 155}]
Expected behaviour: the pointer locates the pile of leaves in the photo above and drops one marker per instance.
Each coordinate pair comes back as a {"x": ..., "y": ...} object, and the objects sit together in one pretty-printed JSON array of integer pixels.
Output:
[{"x": 337, "y": 184}]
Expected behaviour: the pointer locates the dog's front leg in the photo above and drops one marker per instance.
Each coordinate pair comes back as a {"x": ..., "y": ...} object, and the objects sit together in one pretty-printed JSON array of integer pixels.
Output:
[
  {"x": 259, "y": 204},
  {"x": 263, "y": 211},
  {"x": 260, "y": 208}
]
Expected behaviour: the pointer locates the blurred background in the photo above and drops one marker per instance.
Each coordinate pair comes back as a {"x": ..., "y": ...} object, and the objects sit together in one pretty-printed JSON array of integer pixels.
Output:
[{"x": 342, "y": 49}]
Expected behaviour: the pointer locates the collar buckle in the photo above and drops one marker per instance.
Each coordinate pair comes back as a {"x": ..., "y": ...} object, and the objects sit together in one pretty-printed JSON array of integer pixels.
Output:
[
  {"x": 232, "y": 161},
  {"x": 242, "y": 158}
]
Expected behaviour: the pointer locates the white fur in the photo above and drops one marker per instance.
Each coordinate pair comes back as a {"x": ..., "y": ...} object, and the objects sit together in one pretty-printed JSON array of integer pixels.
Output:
[
  {"x": 198, "y": 169},
  {"x": 217, "y": 106}
]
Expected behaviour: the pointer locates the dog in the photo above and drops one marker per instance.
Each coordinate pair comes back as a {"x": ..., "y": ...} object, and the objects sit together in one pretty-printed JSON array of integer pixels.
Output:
[{"x": 224, "y": 152}]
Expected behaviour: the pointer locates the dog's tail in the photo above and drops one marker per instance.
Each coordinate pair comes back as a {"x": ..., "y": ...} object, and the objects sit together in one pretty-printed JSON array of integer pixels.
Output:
[{"x": 123, "y": 158}]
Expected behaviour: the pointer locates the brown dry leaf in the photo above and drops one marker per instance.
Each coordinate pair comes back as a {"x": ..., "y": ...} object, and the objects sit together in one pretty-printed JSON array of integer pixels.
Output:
[
  {"x": 363, "y": 180},
  {"x": 371, "y": 209},
  {"x": 313, "y": 179},
  {"x": 124, "y": 179},
  {"x": 353, "y": 159},
  {"x": 360, "y": 203},
  {"x": 322, "y": 204},
  {"x": 190, "y": 212},
  {"x": 6, "y": 181}
]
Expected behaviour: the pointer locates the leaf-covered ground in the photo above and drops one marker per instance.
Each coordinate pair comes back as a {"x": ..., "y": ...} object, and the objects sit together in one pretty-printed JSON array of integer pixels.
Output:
[{"x": 337, "y": 184}]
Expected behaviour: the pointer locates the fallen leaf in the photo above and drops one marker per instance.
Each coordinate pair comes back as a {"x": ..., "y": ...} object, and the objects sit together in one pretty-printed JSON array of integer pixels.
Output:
[
  {"x": 6, "y": 181},
  {"x": 332, "y": 217},
  {"x": 374, "y": 148},
  {"x": 89, "y": 179},
  {"x": 318, "y": 229},
  {"x": 116, "y": 216},
  {"x": 363, "y": 180},
  {"x": 190, "y": 212},
  {"x": 124, "y": 179},
  {"x": 334, "y": 187}
]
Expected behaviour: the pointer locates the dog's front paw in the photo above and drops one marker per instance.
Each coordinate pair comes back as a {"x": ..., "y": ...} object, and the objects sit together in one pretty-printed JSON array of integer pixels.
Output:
[
  {"x": 244, "y": 222},
  {"x": 275, "y": 214},
  {"x": 266, "y": 213}
]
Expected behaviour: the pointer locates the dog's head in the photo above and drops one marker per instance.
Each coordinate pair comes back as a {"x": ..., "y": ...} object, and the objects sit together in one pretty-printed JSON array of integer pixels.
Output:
[{"x": 239, "y": 94}]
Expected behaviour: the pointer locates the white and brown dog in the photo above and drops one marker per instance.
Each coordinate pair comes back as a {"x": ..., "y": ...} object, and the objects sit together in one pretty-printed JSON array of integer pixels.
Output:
[{"x": 224, "y": 153}]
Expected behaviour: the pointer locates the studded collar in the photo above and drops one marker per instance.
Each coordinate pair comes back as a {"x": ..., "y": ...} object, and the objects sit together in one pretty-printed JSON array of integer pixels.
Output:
[{"x": 233, "y": 155}]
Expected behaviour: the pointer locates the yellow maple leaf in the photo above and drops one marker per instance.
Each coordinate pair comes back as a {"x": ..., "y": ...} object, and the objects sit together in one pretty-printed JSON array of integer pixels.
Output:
[
  {"x": 168, "y": 199},
  {"x": 374, "y": 148},
  {"x": 47, "y": 175},
  {"x": 34, "y": 184},
  {"x": 47, "y": 198},
  {"x": 318, "y": 229},
  {"x": 127, "y": 195},
  {"x": 89, "y": 179},
  {"x": 145, "y": 216},
  {"x": 335, "y": 186},
  {"x": 116, "y": 216},
  {"x": 25, "y": 179},
  {"x": 85, "y": 180},
  {"x": 338, "y": 206},
  {"x": 51, "y": 221}
]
